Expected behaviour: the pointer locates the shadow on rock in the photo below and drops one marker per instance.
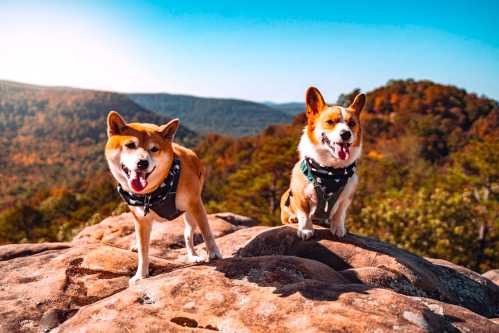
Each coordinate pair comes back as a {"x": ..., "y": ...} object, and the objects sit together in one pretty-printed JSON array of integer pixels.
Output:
[
  {"x": 289, "y": 275},
  {"x": 372, "y": 262}
]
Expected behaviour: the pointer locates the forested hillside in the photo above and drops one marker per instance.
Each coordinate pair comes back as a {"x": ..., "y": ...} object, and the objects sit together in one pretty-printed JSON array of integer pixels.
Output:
[
  {"x": 205, "y": 115},
  {"x": 292, "y": 108},
  {"x": 428, "y": 175},
  {"x": 52, "y": 161}
]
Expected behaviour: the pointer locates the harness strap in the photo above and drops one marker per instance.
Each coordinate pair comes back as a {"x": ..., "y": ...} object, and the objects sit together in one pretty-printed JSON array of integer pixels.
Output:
[
  {"x": 328, "y": 184},
  {"x": 325, "y": 202},
  {"x": 162, "y": 200}
]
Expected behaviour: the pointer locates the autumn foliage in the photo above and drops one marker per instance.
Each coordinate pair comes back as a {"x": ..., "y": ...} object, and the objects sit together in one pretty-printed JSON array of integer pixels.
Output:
[{"x": 428, "y": 175}]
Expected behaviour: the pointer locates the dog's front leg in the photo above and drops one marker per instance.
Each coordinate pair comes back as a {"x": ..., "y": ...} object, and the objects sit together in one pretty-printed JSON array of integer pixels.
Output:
[
  {"x": 305, "y": 226},
  {"x": 339, "y": 213},
  {"x": 143, "y": 235},
  {"x": 197, "y": 212},
  {"x": 190, "y": 228},
  {"x": 338, "y": 220}
]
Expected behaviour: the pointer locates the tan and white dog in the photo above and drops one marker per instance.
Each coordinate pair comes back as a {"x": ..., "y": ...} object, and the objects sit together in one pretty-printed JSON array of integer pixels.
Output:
[
  {"x": 332, "y": 140},
  {"x": 140, "y": 157}
]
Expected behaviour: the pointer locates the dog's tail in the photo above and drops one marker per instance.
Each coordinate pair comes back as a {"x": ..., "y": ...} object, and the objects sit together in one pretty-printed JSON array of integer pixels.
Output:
[{"x": 287, "y": 216}]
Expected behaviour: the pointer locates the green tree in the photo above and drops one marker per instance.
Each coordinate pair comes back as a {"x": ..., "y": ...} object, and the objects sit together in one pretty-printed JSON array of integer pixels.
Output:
[
  {"x": 255, "y": 189},
  {"x": 18, "y": 224}
]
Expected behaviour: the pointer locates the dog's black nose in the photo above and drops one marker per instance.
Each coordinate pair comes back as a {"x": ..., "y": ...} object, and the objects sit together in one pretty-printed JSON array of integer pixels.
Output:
[
  {"x": 143, "y": 164},
  {"x": 345, "y": 135}
]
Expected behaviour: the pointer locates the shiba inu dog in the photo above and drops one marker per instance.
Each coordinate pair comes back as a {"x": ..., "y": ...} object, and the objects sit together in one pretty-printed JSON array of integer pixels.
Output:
[
  {"x": 324, "y": 180},
  {"x": 158, "y": 179}
]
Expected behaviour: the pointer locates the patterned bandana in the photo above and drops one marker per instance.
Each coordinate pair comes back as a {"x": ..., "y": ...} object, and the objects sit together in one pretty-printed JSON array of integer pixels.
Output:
[{"x": 162, "y": 200}]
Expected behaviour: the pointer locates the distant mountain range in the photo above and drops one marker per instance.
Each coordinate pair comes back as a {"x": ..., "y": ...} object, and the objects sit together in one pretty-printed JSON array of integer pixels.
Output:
[
  {"x": 217, "y": 115},
  {"x": 46, "y": 130},
  {"x": 52, "y": 136},
  {"x": 291, "y": 109}
]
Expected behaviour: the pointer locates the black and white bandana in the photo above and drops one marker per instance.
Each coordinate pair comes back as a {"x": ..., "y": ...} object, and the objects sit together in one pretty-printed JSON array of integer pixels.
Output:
[{"x": 162, "y": 200}]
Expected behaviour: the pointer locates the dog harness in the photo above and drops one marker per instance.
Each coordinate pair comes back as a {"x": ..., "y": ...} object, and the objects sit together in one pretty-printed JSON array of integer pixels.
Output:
[
  {"x": 328, "y": 184},
  {"x": 162, "y": 200}
]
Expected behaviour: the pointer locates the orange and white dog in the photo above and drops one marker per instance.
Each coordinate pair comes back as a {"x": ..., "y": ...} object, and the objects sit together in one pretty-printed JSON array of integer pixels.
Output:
[
  {"x": 157, "y": 178},
  {"x": 324, "y": 180}
]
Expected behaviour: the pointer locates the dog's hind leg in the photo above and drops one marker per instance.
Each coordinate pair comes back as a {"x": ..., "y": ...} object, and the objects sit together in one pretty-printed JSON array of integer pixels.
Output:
[
  {"x": 198, "y": 213},
  {"x": 305, "y": 226},
  {"x": 143, "y": 235},
  {"x": 287, "y": 216},
  {"x": 190, "y": 228}
]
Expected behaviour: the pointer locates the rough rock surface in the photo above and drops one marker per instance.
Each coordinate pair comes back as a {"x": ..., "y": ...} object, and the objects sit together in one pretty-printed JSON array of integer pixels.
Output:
[
  {"x": 119, "y": 231},
  {"x": 492, "y": 275},
  {"x": 269, "y": 281},
  {"x": 366, "y": 258},
  {"x": 39, "y": 291}
]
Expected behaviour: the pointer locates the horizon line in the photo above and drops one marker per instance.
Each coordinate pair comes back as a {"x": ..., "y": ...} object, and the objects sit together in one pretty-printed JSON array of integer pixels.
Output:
[{"x": 264, "y": 102}]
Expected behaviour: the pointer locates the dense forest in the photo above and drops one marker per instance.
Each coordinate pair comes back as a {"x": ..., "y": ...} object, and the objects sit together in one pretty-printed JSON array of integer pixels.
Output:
[
  {"x": 428, "y": 176},
  {"x": 220, "y": 115},
  {"x": 52, "y": 155}
]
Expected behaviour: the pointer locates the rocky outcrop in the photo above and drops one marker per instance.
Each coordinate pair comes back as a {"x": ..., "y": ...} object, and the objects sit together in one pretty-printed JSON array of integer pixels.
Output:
[
  {"x": 369, "y": 261},
  {"x": 492, "y": 275},
  {"x": 262, "y": 294},
  {"x": 119, "y": 231},
  {"x": 39, "y": 291},
  {"x": 269, "y": 281}
]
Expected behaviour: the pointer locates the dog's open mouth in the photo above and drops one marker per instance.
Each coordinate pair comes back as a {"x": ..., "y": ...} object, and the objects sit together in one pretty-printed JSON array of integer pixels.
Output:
[
  {"x": 137, "y": 179},
  {"x": 342, "y": 149},
  {"x": 339, "y": 149}
]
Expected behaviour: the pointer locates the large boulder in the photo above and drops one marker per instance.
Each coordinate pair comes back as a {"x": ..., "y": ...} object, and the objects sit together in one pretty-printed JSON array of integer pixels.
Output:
[
  {"x": 269, "y": 281},
  {"x": 492, "y": 275},
  {"x": 265, "y": 294},
  {"x": 10, "y": 251},
  {"x": 40, "y": 290},
  {"x": 119, "y": 231},
  {"x": 369, "y": 261}
]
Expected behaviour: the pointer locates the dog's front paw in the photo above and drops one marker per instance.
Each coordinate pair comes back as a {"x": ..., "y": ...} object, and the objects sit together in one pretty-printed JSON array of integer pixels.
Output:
[
  {"x": 136, "y": 278},
  {"x": 305, "y": 234},
  {"x": 194, "y": 259},
  {"x": 214, "y": 254},
  {"x": 338, "y": 229}
]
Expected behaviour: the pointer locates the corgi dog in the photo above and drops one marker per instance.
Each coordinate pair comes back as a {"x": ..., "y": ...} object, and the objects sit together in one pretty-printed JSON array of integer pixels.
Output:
[
  {"x": 158, "y": 179},
  {"x": 324, "y": 180}
]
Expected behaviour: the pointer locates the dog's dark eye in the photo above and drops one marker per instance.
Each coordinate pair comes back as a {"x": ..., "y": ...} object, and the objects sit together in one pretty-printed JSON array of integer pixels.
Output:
[
  {"x": 130, "y": 145},
  {"x": 154, "y": 149},
  {"x": 330, "y": 122},
  {"x": 351, "y": 123}
]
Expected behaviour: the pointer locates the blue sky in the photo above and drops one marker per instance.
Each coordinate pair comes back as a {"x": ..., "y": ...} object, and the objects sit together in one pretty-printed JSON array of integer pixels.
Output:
[{"x": 257, "y": 50}]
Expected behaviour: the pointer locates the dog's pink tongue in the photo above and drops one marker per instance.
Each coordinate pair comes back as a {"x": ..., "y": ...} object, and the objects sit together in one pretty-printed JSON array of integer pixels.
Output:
[
  {"x": 138, "y": 182},
  {"x": 344, "y": 152}
]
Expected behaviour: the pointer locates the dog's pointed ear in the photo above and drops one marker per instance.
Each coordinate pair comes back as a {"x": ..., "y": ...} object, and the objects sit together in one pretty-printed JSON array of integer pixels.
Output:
[
  {"x": 115, "y": 124},
  {"x": 169, "y": 129},
  {"x": 358, "y": 103},
  {"x": 315, "y": 101}
]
